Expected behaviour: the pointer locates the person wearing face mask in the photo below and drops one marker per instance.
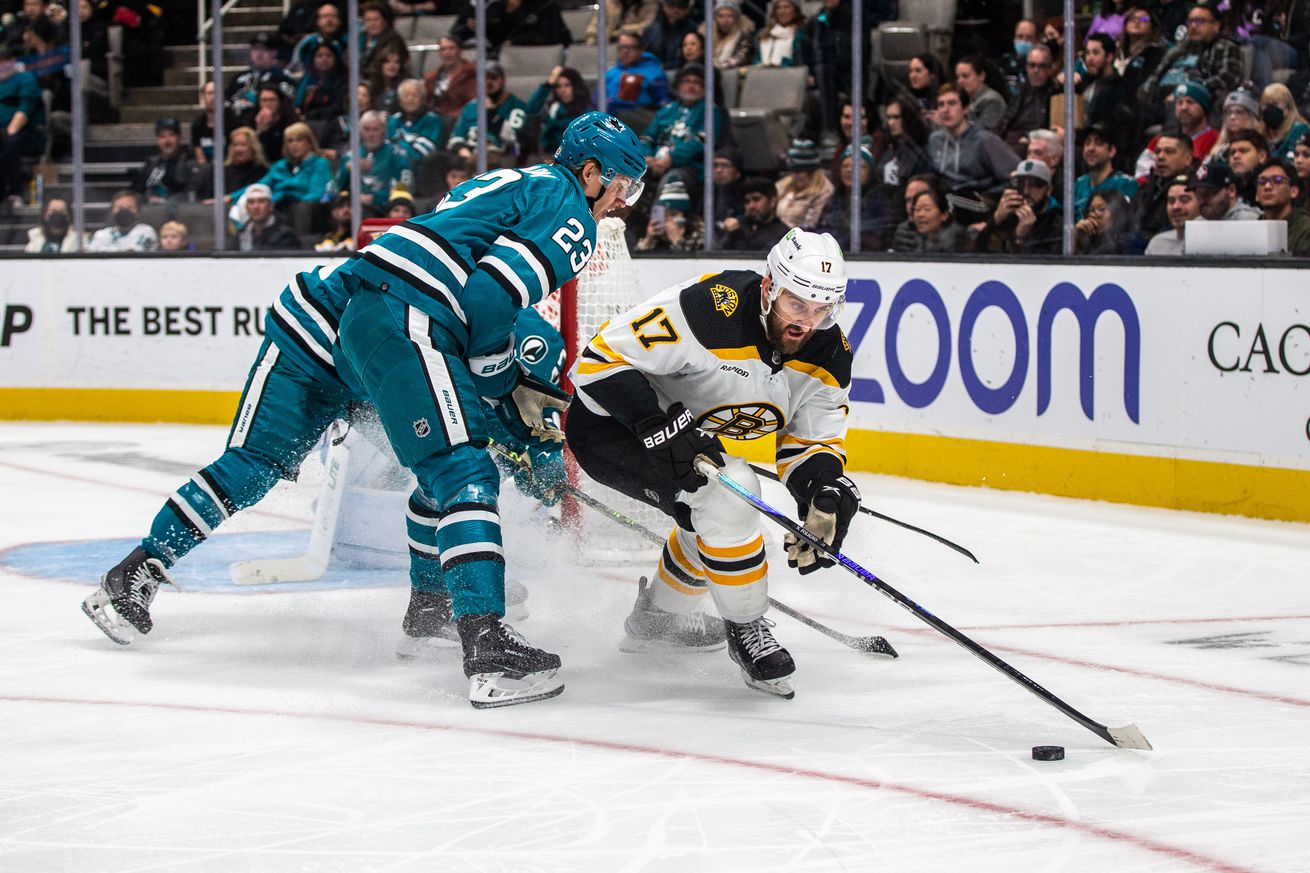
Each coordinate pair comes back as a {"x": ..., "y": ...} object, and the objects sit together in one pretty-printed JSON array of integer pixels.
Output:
[
  {"x": 1283, "y": 121},
  {"x": 53, "y": 236},
  {"x": 1013, "y": 63},
  {"x": 125, "y": 232}
]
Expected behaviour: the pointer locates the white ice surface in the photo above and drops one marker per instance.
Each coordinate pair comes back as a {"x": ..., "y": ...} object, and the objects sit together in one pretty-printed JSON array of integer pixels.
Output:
[{"x": 277, "y": 731}]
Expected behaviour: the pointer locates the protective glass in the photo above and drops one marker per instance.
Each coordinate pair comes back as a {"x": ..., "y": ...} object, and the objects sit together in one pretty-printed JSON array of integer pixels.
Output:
[
  {"x": 628, "y": 189},
  {"x": 802, "y": 313}
]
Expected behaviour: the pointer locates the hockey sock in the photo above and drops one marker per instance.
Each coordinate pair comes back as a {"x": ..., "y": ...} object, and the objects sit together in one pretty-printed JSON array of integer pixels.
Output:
[
  {"x": 738, "y": 576},
  {"x": 236, "y": 480},
  {"x": 472, "y": 556},
  {"x": 680, "y": 578},
  {"x": 421, "y": 522}
]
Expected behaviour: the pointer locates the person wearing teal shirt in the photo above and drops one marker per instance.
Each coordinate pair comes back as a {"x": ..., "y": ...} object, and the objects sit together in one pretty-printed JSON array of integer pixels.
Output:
[
  {"x": 674, "y": 136},
  {"x": 419, "y": 132},
  {"x": 384, "y": 165},
  {"x": 22, "y": 113},
  {"x": 557, "y": 101},
  {"x": 422, "y": 324},
  {"x": 506, "y": 115},
  {"x": 302, "y": 175},
  {"x": 1098, "y": 154}
]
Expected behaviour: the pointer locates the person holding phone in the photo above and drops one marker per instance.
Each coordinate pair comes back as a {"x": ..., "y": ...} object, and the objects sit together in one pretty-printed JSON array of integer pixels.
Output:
[{"x": 672, "y": 227}]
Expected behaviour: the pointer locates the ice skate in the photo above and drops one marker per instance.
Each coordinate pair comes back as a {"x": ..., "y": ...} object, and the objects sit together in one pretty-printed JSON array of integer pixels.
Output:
[
  {"x": 650, "y": 629},
  {"x": 429, "y": 625},
  {"x": 121, "y": 605},
  {"x": 765, "y": 665},
  {"x": 502, "y": 668}
]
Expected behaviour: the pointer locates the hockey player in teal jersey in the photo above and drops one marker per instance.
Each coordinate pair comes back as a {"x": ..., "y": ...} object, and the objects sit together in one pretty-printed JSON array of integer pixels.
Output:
[
  {"x": 420, "y": 324},
  {"x": 539, "y": 351}
]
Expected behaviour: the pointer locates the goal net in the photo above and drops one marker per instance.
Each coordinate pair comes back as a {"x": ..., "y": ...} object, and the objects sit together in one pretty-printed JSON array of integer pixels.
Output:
[{"x": 607, "y": 286}]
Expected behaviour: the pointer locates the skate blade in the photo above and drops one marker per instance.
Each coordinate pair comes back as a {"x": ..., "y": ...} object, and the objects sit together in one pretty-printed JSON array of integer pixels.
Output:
[
  {"x": 97, "y": 607},
  {"x": 491, "y": 690},
  {"x": 637, "y": 646},
  {"x": 415, "y": 648},
  {"x": 777, "y": 687}
]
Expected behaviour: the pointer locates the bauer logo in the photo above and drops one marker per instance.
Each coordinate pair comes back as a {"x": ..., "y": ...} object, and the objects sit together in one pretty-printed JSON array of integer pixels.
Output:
[
  {"x": 422, "y": 428},
  {"x": 725, "y": 299}
]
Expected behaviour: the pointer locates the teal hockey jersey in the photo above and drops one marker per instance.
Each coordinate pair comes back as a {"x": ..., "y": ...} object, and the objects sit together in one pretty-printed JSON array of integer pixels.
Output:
[{"x": 493, "y": 246}]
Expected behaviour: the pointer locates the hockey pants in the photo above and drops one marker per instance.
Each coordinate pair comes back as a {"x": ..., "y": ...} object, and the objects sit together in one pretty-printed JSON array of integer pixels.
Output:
[
  {"x": 398, "y": 359},
  {"x": 716, "y": 545}
]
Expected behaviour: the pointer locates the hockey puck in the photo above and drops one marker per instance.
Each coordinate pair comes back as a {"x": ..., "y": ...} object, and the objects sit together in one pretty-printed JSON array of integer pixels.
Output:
[{"x": 1048, "y": 753}]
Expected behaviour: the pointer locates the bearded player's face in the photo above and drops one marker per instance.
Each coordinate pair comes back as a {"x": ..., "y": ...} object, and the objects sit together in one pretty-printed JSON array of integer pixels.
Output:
[{"x": 783, "y": 332}]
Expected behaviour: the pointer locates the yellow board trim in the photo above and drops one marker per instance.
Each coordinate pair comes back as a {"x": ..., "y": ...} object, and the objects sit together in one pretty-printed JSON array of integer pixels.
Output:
[
  {"x": 118, "y": 404},
  {"x": 1173, "y": 483},
  {"x": 1205, "y": 486}
]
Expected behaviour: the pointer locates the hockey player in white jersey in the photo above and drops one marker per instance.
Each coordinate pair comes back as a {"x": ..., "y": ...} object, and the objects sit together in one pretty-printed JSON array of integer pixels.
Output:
[{"x": 729, "y": 356}]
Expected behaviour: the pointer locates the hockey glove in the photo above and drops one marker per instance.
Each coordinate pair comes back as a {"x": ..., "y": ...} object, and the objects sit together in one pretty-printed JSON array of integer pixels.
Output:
[
  {"x": 531, "y": 411},
  {"x": 833, "y": 503},
  {"x": 542, "y": 479},
  {"x": 672, "y": 444}
]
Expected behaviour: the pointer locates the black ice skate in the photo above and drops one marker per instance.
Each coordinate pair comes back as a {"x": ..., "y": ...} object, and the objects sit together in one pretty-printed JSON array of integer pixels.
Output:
[
  {"x": 428, "y": 624},
  {"x": 765, "y": 665},
  {"x": 651, "y": 629},
  {"x": 502, "y": 668},
  {"x": 121, "y": 605}
]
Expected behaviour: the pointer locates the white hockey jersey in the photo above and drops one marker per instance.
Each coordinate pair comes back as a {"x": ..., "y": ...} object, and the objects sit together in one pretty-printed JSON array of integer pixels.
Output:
[{"x": 703, "y": 344}]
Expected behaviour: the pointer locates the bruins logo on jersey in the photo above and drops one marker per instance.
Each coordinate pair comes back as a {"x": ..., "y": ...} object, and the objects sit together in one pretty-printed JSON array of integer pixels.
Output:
[
  {"x": 742, "y": 421},
  {"x": 725, "y": 299}
]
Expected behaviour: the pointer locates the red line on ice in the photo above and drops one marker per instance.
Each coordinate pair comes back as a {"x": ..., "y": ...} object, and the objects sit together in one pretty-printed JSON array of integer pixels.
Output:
[
  {"x": 1134, "y": 622},
  {"x": 1132, "y": 671},
  {"x": 972, "y": 803}
]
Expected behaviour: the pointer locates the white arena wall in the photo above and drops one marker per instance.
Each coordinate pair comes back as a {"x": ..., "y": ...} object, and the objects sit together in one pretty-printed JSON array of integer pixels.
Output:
[{"x": 1146, "y": 383}]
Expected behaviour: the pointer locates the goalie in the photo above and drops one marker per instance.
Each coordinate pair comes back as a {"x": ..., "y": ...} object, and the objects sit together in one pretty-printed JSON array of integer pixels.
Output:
[{"x": 737, "y": 356}]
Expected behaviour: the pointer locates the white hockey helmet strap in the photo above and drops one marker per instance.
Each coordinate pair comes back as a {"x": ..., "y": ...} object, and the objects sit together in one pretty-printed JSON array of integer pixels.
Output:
[{"x": 811, "y": 266}]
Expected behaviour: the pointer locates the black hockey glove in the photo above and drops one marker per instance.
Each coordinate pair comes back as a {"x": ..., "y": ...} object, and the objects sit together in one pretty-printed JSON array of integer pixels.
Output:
[
  {"x": 834, "y": 500},
  {"x": 672, "y": 444},
  {"x": 531, "y": 411}
]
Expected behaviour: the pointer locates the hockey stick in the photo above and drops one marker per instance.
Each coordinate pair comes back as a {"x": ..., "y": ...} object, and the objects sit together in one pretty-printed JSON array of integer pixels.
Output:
[
  {"x": 871, "y": 645},
  {"x": 314, "y": 562},
  {"x": 769, "y": 474},
  {"x": 1126, "y": 737}
]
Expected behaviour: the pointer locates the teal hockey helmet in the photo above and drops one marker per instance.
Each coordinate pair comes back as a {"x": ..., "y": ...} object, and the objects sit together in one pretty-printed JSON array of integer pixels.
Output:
[{"x": 601, "y": 137}]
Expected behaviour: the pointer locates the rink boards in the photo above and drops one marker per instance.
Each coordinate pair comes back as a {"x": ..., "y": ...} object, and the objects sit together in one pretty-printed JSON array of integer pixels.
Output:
[{"x": 1154, "y": 384}]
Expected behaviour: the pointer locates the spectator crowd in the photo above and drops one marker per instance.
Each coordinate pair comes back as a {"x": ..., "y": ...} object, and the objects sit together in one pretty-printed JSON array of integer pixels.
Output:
[{"x": 1185, "y": 110}]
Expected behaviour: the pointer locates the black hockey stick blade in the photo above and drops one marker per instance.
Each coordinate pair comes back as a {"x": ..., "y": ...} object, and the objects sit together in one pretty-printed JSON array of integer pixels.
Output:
[
  {"x": 1126, "y": 737},
  {"x": 769, "y": 474},
  {"x": 872, "y": 645}
]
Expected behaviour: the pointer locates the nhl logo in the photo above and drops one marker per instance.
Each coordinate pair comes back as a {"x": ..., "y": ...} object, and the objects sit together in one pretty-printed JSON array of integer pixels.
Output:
[{"x": 421, "y": 428}]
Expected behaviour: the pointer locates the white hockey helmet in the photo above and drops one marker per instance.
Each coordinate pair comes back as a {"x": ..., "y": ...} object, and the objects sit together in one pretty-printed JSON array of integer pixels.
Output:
[{"x": 811, "y": 266}]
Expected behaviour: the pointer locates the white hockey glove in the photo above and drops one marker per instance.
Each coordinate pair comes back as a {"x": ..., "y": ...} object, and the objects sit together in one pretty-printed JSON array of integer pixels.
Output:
[
  {"x": 833, "y": 503},
  {"x": 532, "y": 409}
]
